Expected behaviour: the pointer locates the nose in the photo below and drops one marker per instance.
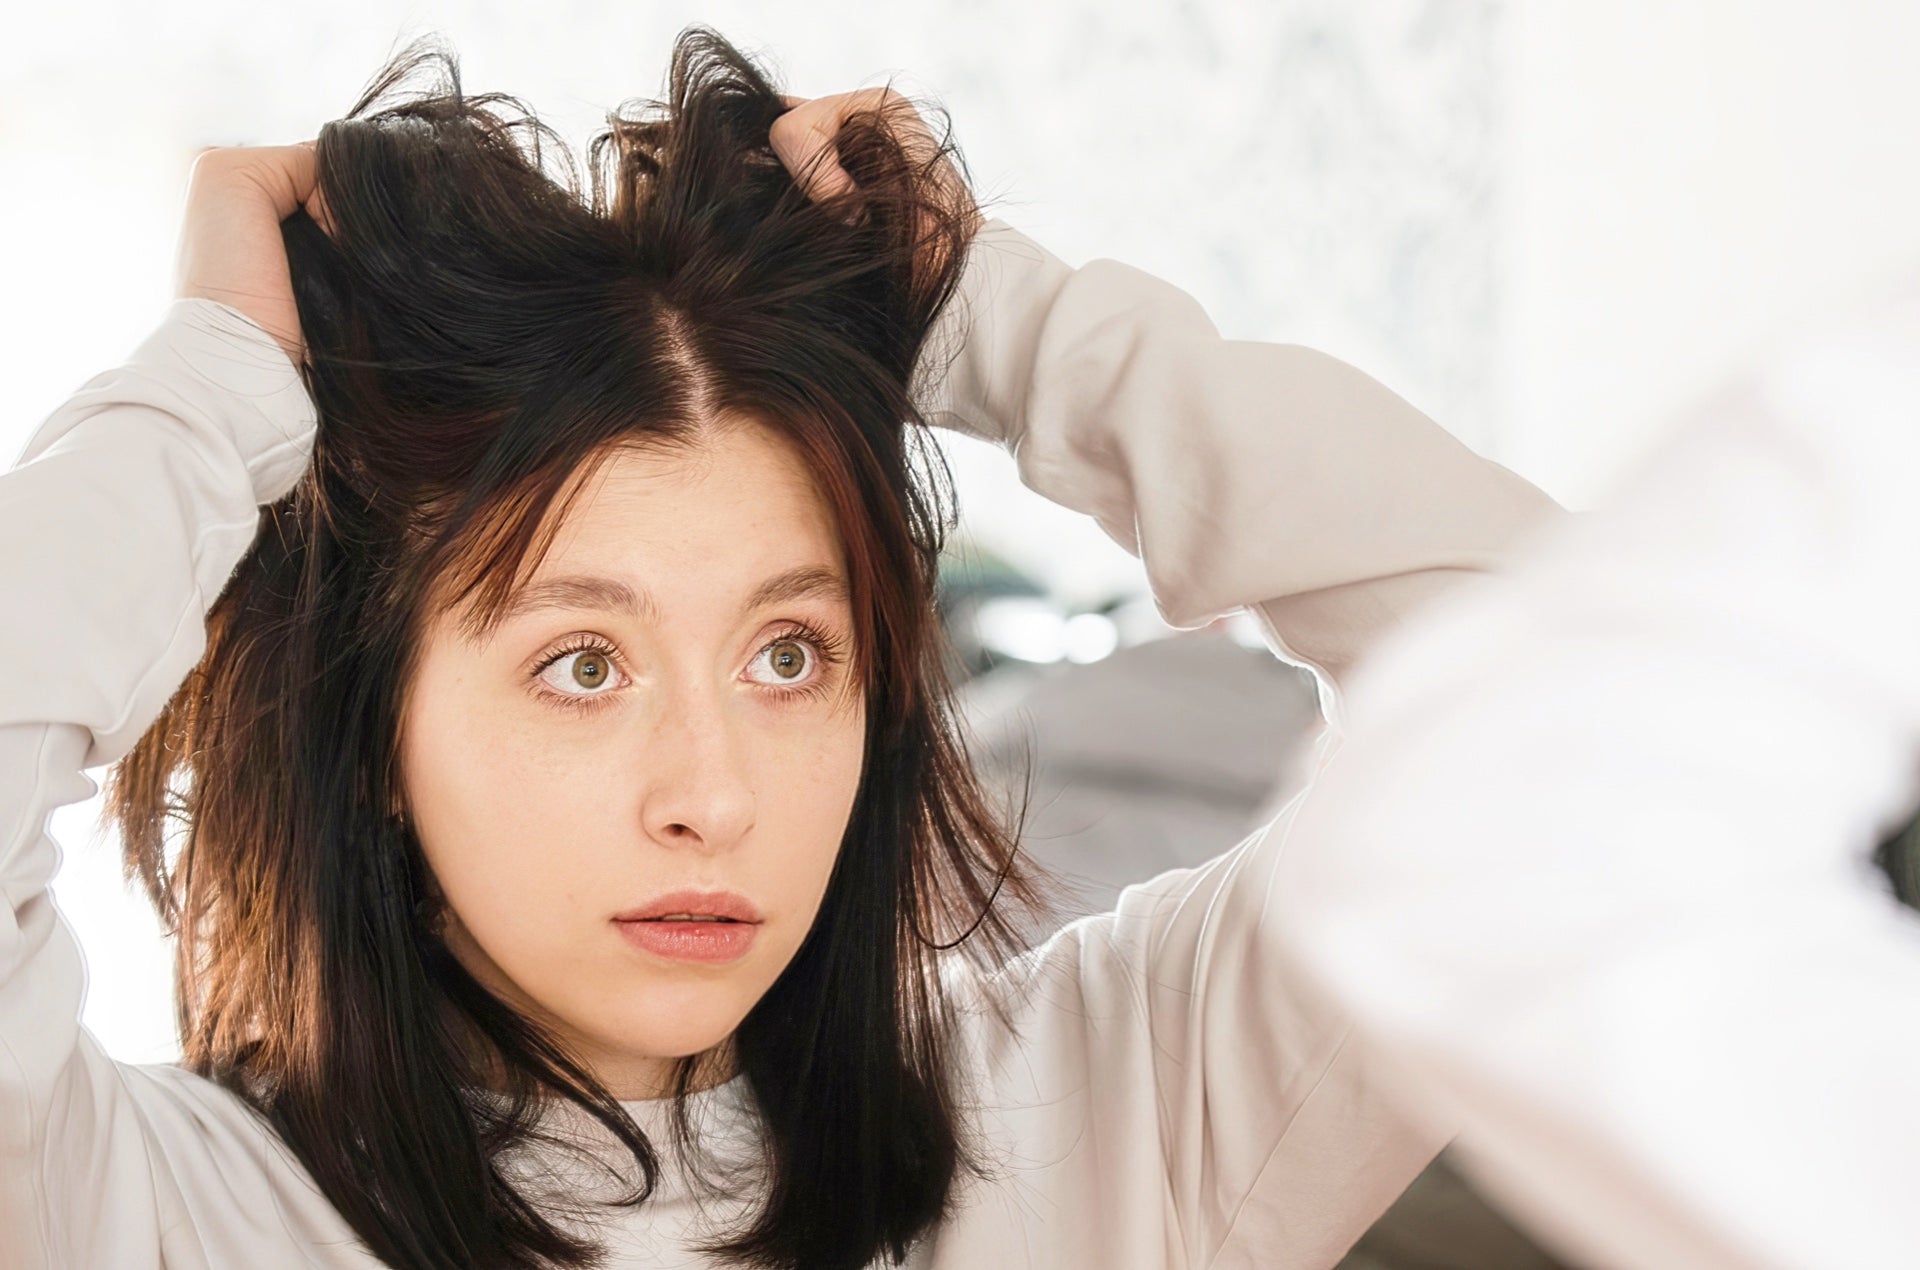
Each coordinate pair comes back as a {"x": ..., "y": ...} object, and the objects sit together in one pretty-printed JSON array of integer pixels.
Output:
[{"x": 700, "y": 785}]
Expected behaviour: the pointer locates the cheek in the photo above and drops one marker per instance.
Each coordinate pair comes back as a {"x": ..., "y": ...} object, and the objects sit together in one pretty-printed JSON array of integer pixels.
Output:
[
  {"x": 489, "y": 799},
  {"x": 528, "y": 823},
  {"x": 813, "y": 801}
]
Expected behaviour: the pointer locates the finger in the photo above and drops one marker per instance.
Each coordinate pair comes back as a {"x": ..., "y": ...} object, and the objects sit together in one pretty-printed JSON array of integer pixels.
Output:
[
  {"x": 316, "y": 200},
  {"x": 294, "y": 182},
  {"x": 803, "y": 139},
  {"x": 289, "y": 174},
  {"x": 821, "y": 173}
]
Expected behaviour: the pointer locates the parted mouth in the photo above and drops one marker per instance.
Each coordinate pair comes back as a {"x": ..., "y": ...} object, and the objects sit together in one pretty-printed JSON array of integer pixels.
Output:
[{"x": 694, "y": 906}]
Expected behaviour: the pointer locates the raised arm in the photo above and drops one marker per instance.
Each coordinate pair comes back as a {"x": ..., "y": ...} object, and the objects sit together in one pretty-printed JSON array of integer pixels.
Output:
[
  {"x": 124, "y": 517},
  {"x": 128, "y": 511},
  {"x": 1170, "y": 1034},
  {"x": 1242, "y": 474}
]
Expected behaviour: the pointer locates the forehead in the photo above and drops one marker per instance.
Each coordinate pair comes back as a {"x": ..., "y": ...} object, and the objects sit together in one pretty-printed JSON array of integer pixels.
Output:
[
  {"x": 698, "y": 524},
  {"x": 693, "y": 528},
  {"x": 739, "y": 484}
]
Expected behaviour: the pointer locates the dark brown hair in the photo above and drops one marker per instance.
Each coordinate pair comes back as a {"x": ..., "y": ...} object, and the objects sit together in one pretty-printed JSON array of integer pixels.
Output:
[{"x": 479, "y": 330}]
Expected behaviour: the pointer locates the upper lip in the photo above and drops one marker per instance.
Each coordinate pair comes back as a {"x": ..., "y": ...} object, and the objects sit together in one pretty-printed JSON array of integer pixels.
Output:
[{"x": 699, "y": 903}]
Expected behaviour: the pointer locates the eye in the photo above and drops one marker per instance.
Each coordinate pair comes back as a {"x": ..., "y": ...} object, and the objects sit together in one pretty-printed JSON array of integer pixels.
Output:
[
  {"x": 583, "y": 670},
  {"x": 799, "y": 661},
  {"x": 787, "y": 660}
]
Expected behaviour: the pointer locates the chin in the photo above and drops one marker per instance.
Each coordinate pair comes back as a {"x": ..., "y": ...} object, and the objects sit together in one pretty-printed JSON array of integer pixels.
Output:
[{"x": 668, "y": 1029}]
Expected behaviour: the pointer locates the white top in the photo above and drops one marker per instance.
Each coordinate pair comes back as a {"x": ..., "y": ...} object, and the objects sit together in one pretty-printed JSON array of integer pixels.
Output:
[
  {"x": 1171, "y": 1100},
  {"x": 1592, "y": 864}
]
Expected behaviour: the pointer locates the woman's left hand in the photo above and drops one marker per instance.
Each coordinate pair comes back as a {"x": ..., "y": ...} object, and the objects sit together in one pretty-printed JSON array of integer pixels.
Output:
[{"x": 804, "y": 138}]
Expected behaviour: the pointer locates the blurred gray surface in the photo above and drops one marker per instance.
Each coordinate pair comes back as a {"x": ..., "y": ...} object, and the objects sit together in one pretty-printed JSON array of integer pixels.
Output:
[{"x": 1160, "y": 757}]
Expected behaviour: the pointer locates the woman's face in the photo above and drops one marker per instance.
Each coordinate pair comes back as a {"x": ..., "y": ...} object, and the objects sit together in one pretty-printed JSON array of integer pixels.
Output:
[{"x": 671, "y": 707}]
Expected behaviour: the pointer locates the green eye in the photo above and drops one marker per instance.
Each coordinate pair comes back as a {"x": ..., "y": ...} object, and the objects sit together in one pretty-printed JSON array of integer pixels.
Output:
[
  {"x": 789, "y": 662},
  {"x": 590, "y": 670},
  {"x": 579, "y": 673},
  {"x": 788, "y": 659}
]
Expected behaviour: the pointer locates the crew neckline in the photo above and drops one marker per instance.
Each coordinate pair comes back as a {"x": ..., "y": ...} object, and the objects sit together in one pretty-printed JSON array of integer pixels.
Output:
[{"x": 729, "y": 1092}]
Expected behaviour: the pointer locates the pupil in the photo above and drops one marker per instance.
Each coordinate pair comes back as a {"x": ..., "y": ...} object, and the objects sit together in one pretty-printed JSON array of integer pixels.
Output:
[{"x": 588, "y": 670}]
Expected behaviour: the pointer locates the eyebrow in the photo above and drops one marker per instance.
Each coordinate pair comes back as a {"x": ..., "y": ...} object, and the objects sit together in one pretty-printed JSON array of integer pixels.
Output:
[{"x": 592, "y": 591}]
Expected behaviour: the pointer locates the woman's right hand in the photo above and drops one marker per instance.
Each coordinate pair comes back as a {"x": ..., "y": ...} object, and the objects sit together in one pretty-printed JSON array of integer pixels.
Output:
[{"x": 230, "y": 246}]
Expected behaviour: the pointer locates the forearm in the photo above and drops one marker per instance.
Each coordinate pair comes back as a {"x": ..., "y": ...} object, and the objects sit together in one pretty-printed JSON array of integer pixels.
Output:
[{"x": 1241, "y": 473}]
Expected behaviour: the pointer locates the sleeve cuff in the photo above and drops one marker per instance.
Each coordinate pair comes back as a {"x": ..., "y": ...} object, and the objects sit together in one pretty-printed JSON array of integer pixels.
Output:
[
  {"x": 978, "y": 360},
  {"x": 213, "y": 361}
]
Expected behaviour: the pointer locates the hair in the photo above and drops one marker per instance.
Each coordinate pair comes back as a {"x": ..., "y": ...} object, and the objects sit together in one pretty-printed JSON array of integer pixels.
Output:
[
  {"x": 1898, "y": 859},
  {"x": 479, "y": 330}
]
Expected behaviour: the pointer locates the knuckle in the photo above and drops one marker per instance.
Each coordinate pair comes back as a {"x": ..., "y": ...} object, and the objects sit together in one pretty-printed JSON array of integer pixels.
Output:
[{"x": 219, "y": 162}]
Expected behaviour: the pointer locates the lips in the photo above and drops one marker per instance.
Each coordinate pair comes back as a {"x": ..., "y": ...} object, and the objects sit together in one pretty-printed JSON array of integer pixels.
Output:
[
  {"x": 709, "y": 906},
  {"x": 692, "y": 926}
]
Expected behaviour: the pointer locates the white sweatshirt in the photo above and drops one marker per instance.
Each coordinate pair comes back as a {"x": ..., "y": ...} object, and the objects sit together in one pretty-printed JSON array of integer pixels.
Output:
[
  {"x": 1592, "y": 865},
  {"x": 1171, "y": 1100}
]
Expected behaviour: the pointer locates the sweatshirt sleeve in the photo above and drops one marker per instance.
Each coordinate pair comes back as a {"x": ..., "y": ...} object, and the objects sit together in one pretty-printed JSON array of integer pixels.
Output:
[
  {"x": 1592, "y": 867},
  {"x": 125, "y": 515},
  {"x": 1243, "y": 474},
  {"x": 1188, "y": 1102}
]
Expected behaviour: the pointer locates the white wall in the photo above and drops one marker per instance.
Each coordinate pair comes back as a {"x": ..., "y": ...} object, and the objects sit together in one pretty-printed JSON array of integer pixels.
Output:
[
  {"x": 1548, "y": 242},
  {"x": 1680, "y": 181}
]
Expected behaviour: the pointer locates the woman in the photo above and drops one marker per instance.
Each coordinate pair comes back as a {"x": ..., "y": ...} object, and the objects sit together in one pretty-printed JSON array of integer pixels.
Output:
[{"x": 332, "y": 567}]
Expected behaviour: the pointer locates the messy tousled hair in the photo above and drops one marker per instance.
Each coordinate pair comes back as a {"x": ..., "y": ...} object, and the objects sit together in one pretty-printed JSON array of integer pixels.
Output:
[{"x": 480, "y": 329}]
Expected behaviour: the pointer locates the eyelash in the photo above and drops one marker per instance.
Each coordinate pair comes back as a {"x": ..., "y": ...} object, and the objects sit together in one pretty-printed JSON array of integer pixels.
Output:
[{"x": 828, "y": 649}]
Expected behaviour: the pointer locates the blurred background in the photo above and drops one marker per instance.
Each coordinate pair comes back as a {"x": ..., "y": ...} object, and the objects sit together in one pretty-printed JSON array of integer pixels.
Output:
[{"x": 1549, "y": 225}]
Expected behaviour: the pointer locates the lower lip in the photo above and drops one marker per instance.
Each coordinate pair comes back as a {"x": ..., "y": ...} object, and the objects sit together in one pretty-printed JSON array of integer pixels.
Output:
[{"x": 691, "y": 941}]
